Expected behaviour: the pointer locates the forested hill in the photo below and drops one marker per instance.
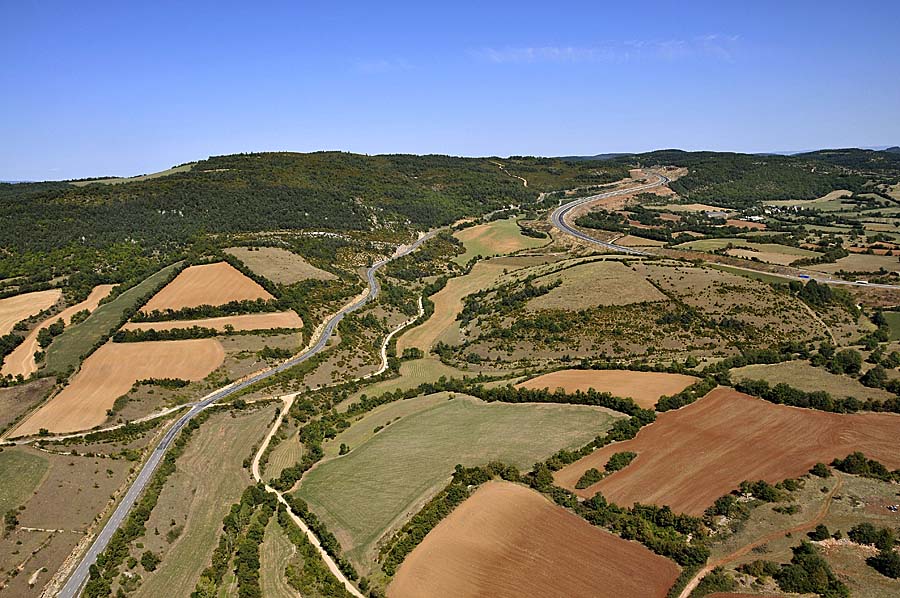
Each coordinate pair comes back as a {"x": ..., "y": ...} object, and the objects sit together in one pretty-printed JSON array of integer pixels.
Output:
[
  {"x": 254, "y": 192},
  {"x": 741, "y": 180}
]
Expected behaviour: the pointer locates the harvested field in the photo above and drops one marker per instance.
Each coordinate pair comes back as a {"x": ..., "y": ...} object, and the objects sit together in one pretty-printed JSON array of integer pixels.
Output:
[
  {"x": 714, "y": 444},
  {"x": 689, "y": 207},
  {"x": 19, "y": 307},
  {"x": 386, "y": 475},
  {"x": 279, "y": 265},
  {"x": 110, "y": 372},
  {"x": 275, "y": 553},
  {"x": 746, "y": 224},
  {"x": 207, "y": 284},
  {"x": 66, "y": 350},
  {"x": 21, "y": 360},
  {"x": 260, "y": 321},
  {"x": 591, "y": 285},
  {"x": 287, "y": 453},
  {"x": 802, "y": 375},
  {"x": 644, "y": 387},
  {"x": 506, "y": 538},
  {"x": 827, "y": 202},
  {"x": 494, "y": 238},
  {"x": 210, "y": 477},
  {"x": 448, "y": 302}
]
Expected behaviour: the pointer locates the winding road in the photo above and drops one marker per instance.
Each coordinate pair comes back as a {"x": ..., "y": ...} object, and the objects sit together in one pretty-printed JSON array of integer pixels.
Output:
[{"x": 79, "y": 576}]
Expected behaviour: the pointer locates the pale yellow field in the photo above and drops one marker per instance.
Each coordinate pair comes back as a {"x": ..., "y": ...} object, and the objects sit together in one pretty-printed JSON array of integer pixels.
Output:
[
  {"x": 860, "y": 262},
  {"x": 207, "y": 284},
  {"x": 494, "y": 238},
  {"x": 260, "y": 321},
  {"x": 21, "y": 360},
  {"x": 279, "y": 265},
  {"x": 633, "y": 241},
  {"x": 19, "y": 307},
  {"x": 831, "y": 197},
  {"x": 111, "y": 371}
]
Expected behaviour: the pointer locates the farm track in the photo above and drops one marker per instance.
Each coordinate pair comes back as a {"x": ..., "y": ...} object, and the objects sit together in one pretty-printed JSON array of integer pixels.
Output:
[
  {"x": 80, "y": 575},
  {"x": 731, "y": 557}
]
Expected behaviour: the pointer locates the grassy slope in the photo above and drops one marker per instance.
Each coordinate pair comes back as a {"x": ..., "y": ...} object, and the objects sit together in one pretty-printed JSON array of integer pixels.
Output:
[
  {"x": 20, "y": 474},
  {"x": 495, "y": 238},
  {"x": 380, "y": 482},
  {"x": 804, "y": 376},
  {"x": 274, "y": 555},
  {"x": 67, "y": 349},
  {"x": 209, "y": 479}
]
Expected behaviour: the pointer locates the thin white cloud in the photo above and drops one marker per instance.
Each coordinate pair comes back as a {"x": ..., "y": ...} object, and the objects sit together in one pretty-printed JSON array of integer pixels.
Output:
[{"x": 716, "y": 46}]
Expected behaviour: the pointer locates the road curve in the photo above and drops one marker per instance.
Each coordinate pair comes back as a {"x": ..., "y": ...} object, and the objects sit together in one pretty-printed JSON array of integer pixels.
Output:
[
  {"x": 558, "y": 217},
  {"x": 79, "y": 576}
]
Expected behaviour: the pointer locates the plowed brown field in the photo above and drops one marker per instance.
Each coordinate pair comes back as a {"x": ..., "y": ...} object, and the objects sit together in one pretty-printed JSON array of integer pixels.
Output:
[
  {"x": 110, "y": 372},
  {"x": 263, "y": 321},
  {"x": 21, "y": 360},
  {"x": 207, "y": 284},
  {"x": 507, "y": 540},
  {"x": 18, "y": 307},
  {"x": 644, "y": 387},
  {"x": 691, "y": 456}
]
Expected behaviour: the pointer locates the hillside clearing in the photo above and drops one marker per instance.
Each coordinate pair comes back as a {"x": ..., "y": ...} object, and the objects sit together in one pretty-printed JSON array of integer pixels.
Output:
[
  {"x": 507, "y": 541},
  {"x": 206, "y": 284},
  {"x": 802, "y": 375},
  {"x": 379, "y": 484},
  {"x": 645, "y": 388},
  {"x": 691, "y": 456},
  {"x": 21, "y": 473},
  {"x": 606, "y": 282},
  {"x": 494, "y": 238},
  {"x": 278, "y": 265},
  {"x": 19, "y": 307},
  {"x": 110, "y": 372}
]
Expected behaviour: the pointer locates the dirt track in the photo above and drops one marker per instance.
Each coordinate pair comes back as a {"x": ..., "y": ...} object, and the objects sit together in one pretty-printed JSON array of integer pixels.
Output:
[
  {"x": 644, "y": 387},
  {"x": 21, "y": 361},
  {"x": 507, "y": 540},
  {"x": 208, "y": 284},
  {"x": 109, "y": 373},
  {"x": 18, "y": 307},
  {"x": 694, "y": 455},
  {"x": 261, "y": 321}
]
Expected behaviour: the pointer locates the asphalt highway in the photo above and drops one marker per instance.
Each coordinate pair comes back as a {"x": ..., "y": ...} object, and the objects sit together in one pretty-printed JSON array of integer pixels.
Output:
[{"x": 79, "y": 577}]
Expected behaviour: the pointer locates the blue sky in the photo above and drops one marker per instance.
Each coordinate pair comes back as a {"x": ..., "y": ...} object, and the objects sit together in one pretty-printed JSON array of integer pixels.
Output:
[{"x": 117, "y": 88}]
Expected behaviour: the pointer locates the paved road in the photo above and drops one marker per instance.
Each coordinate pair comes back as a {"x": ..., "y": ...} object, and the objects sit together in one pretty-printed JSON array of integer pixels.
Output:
[
  {"x": 79, "y": 577},
  {"x": 558, "y": 218}
]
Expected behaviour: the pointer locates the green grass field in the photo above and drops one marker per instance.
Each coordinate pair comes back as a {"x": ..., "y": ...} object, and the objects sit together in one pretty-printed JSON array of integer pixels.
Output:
[
  {"x": 274, "y": 555},
  {"x": 287, "y": 453},
  {"x": 384, "y": 480},
  {"x": 494, "y": 238},
  {"x": 20, "y": 472},
  {"x": 713, "y": 244},
  {"x": 412, "y": 374},
  {"x": 66, "y": 350},
  {"x": 893, "y": 320}
]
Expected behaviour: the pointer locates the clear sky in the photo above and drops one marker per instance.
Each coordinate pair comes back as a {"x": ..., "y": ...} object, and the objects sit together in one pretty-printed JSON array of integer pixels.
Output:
[{"x": 123, "y": 88}]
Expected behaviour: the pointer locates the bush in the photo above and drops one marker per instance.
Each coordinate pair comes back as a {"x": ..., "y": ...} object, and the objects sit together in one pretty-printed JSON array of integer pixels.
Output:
[
  {"x": 589, "y": 478},
  {"x": 886, "y": 562},
  {"x": 150, "y": 560}
]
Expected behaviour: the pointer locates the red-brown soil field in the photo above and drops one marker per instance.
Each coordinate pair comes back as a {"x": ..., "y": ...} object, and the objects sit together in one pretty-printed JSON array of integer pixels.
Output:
[
  {"x": 508, "y": 540},
  {"x": 261, "y": 321},
  {"x": 207, "y": 284},
  {"x": 18, "y": 307},
  {"x": 644, "y": 387},
  {"x": 691, "y": 456},
  {"x": 110, "y": 372},
  {"x": 21, "y": 360}
]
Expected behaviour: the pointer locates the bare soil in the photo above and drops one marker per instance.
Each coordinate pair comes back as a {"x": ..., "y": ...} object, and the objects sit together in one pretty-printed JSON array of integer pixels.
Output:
[
  {"x": 691, "y": 456},
  {"x": 111, "y": 371},
  {"x": 508, "y": 540}
]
